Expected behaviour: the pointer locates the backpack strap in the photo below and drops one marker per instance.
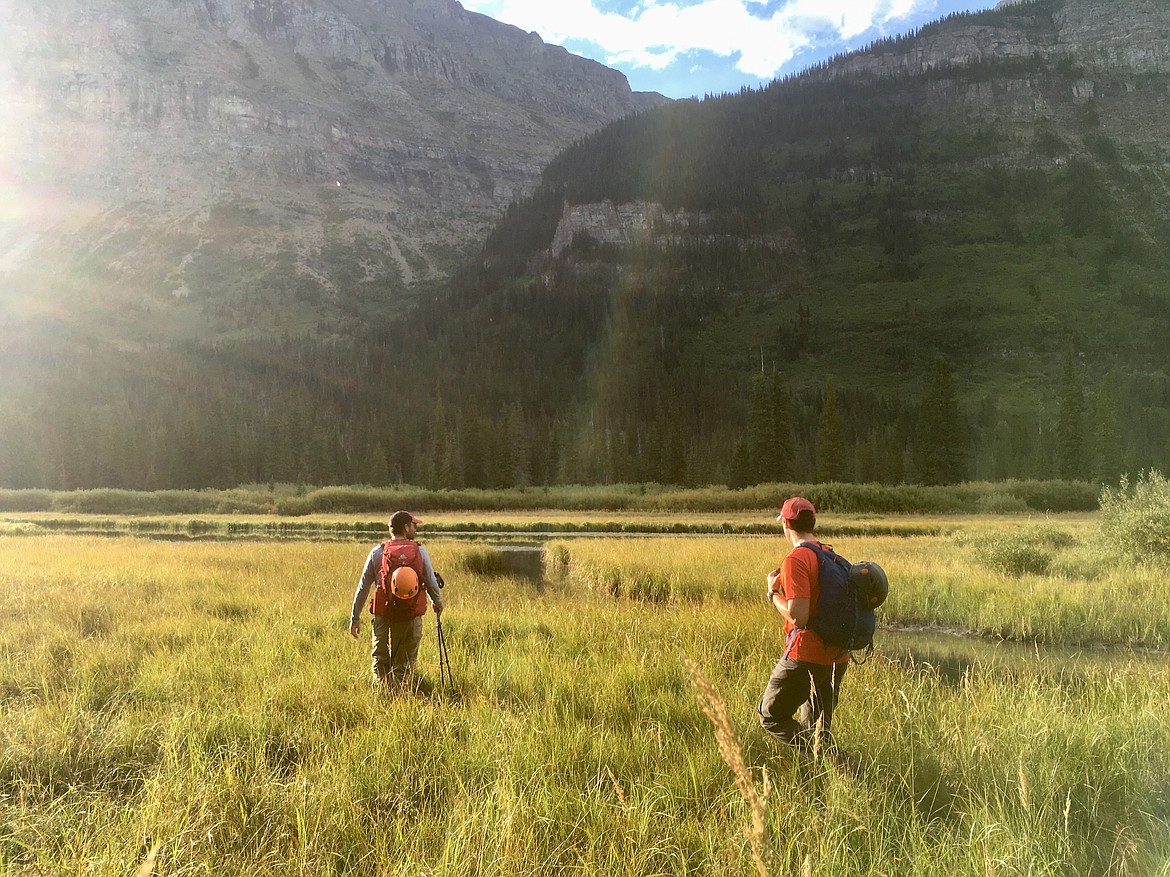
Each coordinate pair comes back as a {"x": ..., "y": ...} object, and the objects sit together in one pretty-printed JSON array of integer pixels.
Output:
[
  {"x": 791, "y": 639},
  {"x": 824, "y": 553},
  {"x": 385, "y": 564}
]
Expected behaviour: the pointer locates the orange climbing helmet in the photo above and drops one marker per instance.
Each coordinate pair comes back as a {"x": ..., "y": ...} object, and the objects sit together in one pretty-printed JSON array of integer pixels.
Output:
[{"x": 404, "y": 583}]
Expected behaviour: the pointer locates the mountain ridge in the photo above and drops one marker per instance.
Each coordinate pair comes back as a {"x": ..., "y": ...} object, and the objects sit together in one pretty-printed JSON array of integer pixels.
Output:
[
  {"x": 1052, "y": 31},
  {"x": 384, "y": 137}
]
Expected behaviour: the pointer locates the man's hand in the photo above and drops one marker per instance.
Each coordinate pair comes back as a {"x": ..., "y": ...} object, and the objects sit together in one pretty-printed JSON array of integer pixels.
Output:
[
  {"x": 355, "y": 628},
  {"x": 438, "y": 607},
  {"x": 773, "y": 576}
]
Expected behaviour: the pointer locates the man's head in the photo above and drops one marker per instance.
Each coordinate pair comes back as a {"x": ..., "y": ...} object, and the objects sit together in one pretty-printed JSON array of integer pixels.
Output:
[
  {"x": 797, "y": 514},
  {"x": 402, "y": 522}
]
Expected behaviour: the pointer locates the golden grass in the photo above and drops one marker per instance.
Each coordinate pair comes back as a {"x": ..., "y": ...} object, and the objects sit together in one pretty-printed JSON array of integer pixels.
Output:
[{"x": 199, "y": 706}]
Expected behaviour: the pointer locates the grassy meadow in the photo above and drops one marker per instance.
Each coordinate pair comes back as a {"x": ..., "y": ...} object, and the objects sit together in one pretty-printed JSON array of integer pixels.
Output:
[{"x": 198, "y": 708}]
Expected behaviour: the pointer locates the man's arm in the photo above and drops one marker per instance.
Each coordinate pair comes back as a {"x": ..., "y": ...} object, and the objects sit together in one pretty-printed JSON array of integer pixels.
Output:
[
  {"x": 369, "y": 574},
  {"x": 431, "y": 582},
  {"x": 788, "y": 579},
  {"x": 794, "y": 611}
]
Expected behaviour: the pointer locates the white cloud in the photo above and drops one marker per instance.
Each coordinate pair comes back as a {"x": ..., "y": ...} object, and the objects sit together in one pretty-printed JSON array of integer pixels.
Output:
[{"x": 655, "y": 34}]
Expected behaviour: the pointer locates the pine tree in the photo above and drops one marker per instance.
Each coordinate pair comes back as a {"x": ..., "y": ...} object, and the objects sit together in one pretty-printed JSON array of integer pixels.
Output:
[
  {"x": 676, "y": 449},
  {"x": 832, "y": 454},
  {"x": 443, "y": 467},
  {"x": 769, "y": 435},
  {"x": 739, "y": 469},
  {"x": 760, "y": 457},
  {"x": 783, "y": 436},
  {"x": 1106, "y": 451},
  {"x": 375, "y": 470},
  {"x": 941, "y": 444},
  {"x": 473, "y": 434},
  {"x": 519, "y": 448},
  {"x": 1070, "y": 424}
]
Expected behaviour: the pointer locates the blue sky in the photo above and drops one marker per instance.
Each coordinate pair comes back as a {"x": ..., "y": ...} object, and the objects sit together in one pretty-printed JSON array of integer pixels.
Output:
[{"x": 689, "y": 48}]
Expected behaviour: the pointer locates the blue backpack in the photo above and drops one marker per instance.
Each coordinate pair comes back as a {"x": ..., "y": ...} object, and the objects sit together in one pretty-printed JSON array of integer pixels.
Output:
[{"x": 841, "y": 618}]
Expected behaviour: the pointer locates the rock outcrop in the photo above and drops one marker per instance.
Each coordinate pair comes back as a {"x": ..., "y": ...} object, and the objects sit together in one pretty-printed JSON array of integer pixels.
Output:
[
  {"x": 649, "y": 224},
  {"x": 1131, "y": 35}
]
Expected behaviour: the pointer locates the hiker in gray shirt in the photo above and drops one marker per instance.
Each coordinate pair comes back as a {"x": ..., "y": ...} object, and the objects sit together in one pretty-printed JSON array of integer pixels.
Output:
[{"x": 402, "y": 577}]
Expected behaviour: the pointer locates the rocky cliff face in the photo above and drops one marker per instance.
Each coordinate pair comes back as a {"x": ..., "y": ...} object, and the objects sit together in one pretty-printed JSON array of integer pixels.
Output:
[
  {"x": 229, "y": 151},
  {"x": 1132, "y": 35},
  {"x": 648, "y": 224},
  {"x": 1120, "y": 47}
]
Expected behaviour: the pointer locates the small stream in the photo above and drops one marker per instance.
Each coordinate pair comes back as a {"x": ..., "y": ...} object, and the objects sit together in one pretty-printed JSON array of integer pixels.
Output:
[{"x": 952, "y": 654}]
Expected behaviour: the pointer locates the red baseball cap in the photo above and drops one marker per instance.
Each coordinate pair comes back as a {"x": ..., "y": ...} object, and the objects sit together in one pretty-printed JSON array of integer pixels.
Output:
[
  {"x": 793, "y": 507},
  {"x": 398, "y": 520}
]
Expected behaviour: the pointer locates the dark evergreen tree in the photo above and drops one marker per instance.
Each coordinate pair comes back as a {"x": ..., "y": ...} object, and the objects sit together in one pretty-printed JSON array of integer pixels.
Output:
[
  {"x": 739, "y": 470},
  {"x": 375, "y": 470},
  {"x": 763, "y": 463},
  {"x": 832, "y": 449},
  {"x": 783, "y": 437},
  {"x": 1107, "y": 449},
  {"x": 1070, "y": 424},
  {"x": 941, "y": 445},
  {"x": 770, "y": 441}
]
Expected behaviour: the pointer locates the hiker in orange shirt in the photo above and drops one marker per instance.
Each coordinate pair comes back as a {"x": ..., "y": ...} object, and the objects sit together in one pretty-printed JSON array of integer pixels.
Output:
[{"x": 808, "y": 676}]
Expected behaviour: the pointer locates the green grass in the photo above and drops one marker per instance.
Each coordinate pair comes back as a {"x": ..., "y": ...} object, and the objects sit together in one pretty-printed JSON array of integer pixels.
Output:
[
  {"x": 299, "y": 500},
  {"x": 204, "y": 699},
  {"x": 973, "y": 577}
]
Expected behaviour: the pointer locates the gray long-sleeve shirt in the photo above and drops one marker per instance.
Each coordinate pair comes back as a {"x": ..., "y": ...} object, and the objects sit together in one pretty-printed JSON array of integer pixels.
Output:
[{"x": 370, "y": 576}]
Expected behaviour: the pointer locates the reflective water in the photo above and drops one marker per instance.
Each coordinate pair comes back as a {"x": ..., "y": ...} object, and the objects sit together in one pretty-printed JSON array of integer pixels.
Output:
[
  {"x": 951, "y": 655},
  {"x": 523, "y": 561}
]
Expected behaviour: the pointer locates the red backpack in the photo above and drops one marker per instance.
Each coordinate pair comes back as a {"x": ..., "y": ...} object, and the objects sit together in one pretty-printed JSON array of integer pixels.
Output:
[{"x": 385, "y": 603}]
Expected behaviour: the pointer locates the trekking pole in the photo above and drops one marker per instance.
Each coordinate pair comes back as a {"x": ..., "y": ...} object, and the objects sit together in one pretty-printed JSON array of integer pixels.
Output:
[{"x": 444, "y": 660}]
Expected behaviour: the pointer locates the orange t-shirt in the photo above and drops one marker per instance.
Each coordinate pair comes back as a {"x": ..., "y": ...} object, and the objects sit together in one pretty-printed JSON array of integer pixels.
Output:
[{"x": 800, "y": 576}]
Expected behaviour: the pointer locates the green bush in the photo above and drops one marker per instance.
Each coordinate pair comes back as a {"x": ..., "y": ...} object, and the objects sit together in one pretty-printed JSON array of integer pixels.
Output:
[
  {"x": 1001, "y": 504},
  {"x": 1051, "y": 537},
  {"x": 1055, "y": 496},
  {"x": 1013, "y": 554},
  {"x": 484, "y": 562},
  {"x": 132, "y": 502},
  {"x": 239, "y": 507},
  {"x": 293, "y": 506},
  {"x": 18, "y": 528},
  {"x": 834, "y": 498},
  {"x": 1137, "y": 516},
  {"x": 26, "y": 500}
]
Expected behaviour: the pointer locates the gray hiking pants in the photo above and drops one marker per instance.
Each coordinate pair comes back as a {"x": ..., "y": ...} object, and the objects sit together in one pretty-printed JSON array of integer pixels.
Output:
[
  {"x": 395, "y": 648},
  {"x": 811, "y": 688}
]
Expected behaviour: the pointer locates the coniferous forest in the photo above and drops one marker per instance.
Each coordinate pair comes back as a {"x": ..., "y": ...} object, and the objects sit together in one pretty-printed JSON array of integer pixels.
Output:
[{"x": 881, "y": 279}]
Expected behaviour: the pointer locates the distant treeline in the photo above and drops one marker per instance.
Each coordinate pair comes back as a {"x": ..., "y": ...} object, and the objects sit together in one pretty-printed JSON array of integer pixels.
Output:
[{"x": 1008, "y": 497}]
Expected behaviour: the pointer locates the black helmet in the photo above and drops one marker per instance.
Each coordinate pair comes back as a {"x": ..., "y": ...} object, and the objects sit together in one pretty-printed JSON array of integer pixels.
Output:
[{"x": 870, "y": 580}]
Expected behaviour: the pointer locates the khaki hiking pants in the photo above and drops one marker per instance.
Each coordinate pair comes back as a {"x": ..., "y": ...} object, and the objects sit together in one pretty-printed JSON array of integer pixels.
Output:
[{"x": 395, "y": 649}]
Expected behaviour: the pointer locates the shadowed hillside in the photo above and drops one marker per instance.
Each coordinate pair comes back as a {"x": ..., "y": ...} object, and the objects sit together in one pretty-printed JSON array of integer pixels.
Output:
[{"x": 940, "y": 258}]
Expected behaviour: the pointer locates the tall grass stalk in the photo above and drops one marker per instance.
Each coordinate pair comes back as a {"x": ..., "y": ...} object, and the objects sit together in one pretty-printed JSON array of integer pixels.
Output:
[{"x": 715, "y": 709}]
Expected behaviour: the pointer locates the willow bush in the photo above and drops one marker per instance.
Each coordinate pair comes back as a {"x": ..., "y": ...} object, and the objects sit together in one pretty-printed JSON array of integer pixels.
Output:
[{"x": 1136, "y": 516}]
